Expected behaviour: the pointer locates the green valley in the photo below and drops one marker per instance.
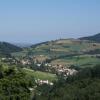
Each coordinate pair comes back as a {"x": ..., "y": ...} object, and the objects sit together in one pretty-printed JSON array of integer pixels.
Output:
[{"x": 53, "y": 70}]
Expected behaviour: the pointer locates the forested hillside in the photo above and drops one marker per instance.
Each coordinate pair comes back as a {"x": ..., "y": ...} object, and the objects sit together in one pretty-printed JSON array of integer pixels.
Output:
[
  {"x": 95, "y": 38},
  {"x": 13, "y": 84},
  {"x": 7, "y": 48}
]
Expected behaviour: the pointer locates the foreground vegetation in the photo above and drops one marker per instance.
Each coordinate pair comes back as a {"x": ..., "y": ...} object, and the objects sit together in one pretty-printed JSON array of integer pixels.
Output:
[
  {"x": 83, "y": 86},
  {"x": 13, "y": 84}
]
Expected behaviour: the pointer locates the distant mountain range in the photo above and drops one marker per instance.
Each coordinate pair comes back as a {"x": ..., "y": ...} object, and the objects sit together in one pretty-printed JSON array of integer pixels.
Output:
[
  {"x": 95, "y": 38},
  {"x": 22, "y": 45}
]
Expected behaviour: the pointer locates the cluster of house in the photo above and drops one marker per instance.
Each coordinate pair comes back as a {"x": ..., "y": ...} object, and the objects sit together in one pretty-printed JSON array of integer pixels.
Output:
[
  {"x": 45, "y": 64},
  {"x": 41, "y": 82},
  {"x": 57, "y": 69},
  {"x": 9, "y": 60},
  {"x": 25, "y": 62},
  {"x": 60, "y": 69},
  {"x": 39, "y": 59},
  {"x": 67, "y": 71},
  {"x": 64, "y": 70}
]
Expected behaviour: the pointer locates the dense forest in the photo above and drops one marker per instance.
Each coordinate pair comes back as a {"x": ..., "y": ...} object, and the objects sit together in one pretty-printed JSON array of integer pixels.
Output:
[{"x": 13, "y": 84}]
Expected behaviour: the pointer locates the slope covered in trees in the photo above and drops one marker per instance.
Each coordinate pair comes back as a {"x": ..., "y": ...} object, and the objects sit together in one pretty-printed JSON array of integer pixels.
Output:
[
  {"x": 95, "y": 38},
  {"x": 7, "y": 48},
  {"x": 13, "y": 84}
]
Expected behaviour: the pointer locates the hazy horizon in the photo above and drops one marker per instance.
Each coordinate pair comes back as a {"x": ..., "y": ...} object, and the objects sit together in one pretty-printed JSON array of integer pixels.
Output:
[
  {"x": 34, "y": 21},
  {"x": 50, "y": 39}
]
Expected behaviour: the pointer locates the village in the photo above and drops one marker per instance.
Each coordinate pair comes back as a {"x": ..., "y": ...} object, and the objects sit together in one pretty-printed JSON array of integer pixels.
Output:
[{"x": 39, "y": 63}]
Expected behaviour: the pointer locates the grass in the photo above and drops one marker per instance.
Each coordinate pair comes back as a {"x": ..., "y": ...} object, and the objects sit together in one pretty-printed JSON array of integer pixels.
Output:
[
  {"x": 58, "y": 47},
  {"x": 40, "y": 75},
  {"x": 82, "y": 61}
]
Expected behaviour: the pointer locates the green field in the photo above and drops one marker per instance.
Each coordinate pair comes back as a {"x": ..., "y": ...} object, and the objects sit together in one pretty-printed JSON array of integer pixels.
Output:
[
  {"x": 59, "y": 47},
  {"x": 40, "y": 75},
  {"x": 82, "y": 61}
]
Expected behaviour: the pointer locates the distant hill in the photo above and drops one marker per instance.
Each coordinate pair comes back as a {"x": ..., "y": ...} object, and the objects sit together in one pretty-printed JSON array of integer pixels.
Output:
[
  {"x": 63, "y": 51},
  {"x": 7, "y": 48},
  {"x": 22, "y": 45},
  {"x": 95, "y": 38},
  {"x": 60, "y": 47}
]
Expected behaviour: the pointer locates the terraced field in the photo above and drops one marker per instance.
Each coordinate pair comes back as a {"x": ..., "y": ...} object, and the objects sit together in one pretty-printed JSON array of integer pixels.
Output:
[
  {"x": 82, "y": 61},
  {"x": 61, "y": 52}
]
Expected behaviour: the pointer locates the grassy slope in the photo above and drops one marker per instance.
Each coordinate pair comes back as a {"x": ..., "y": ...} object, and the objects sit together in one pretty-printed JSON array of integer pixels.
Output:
[
  {"x": 82, "y": 61},
  {"x": 64, "y": 47},
  {"x": 61, "y": 46},
  {"x": 40, "y": 75}
]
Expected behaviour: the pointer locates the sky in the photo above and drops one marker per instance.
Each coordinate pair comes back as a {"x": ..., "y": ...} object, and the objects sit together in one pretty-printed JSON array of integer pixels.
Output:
[{"x": 33, "y": 21}]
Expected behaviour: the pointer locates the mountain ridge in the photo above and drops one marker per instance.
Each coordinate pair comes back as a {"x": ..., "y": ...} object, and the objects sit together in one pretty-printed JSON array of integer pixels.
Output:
[{"x": 95, "y": 38}]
